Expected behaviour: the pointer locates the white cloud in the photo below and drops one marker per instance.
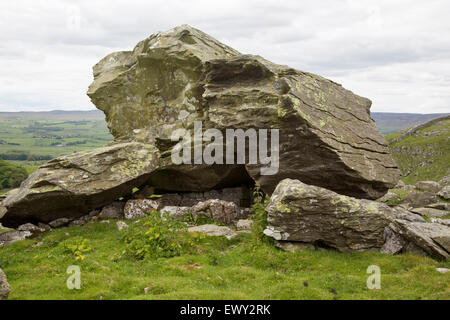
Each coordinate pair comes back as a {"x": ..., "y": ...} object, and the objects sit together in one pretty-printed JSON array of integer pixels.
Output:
[{"x": 396, "y": 53}]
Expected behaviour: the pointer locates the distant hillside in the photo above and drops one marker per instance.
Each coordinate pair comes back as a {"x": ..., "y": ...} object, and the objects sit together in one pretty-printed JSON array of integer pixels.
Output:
[
  {"x": 425, "y": 153},
  {"x": 56, "y": 115},
  {"x": 388, "y": 122}
]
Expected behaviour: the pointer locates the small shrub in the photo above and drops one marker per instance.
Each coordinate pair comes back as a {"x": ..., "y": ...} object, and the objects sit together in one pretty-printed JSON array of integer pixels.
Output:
[
  {"x": 259, "y": 216},
  {"x": 77, "y": 247},
  {"x": 158, "y": 237}
]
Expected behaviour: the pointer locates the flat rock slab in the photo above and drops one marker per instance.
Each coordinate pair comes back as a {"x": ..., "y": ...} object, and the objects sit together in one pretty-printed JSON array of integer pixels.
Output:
[
  {"x": 430, "y": 212},
  {"x": 73, "y": 185},
  {"x": 214, "y": 230}
]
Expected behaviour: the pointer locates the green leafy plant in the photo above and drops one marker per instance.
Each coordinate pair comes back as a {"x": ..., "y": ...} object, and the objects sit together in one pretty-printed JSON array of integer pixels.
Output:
[
  {"x": 259, "y": 216},
  {"x": 77, "y": 247},
  {"x": 156, "y": 236}
]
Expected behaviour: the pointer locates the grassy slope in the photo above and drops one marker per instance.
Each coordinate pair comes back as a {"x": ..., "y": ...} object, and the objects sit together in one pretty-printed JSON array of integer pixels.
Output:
[
  {"x": 415, "y": 154},
  {"x": 223, "y": 270}
]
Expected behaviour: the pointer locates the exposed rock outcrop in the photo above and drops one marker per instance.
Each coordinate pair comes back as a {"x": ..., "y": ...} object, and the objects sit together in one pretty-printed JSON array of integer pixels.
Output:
[
  {"x": 173, "y": 78},
  {"x": 309, "y": 214}
]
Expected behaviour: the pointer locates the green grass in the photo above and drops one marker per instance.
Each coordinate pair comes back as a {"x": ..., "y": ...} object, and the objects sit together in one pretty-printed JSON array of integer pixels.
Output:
[
  {"x": 424, "y": 157},
  {"x": 221, "y": 269}
]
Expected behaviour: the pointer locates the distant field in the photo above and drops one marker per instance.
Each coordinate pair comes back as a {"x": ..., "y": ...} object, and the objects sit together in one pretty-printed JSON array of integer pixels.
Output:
[{"x": 31, "y": 138}]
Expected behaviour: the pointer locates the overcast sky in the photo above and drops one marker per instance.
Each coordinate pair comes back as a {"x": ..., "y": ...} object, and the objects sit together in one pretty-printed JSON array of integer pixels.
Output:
[{"x": 397, "y": 53}]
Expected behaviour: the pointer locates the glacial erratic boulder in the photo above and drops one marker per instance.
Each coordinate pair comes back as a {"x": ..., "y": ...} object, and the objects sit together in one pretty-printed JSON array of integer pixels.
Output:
[
  {"x": 173, "y": 78},
  {"x": 307, "y": 214}
]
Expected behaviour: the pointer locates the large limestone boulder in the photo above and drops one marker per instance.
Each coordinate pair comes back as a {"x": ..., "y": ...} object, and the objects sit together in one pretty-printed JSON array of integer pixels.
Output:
[
  {"x": 73, "y": 185},
  {"x": 173, "y": 78},
  {"x": 298, "y": 212}
]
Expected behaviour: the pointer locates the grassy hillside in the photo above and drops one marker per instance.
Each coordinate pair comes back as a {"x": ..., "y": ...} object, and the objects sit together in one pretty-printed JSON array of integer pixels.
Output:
[
  {"x": 215, "y": 268},
  {"x": 425, "y": 155}
]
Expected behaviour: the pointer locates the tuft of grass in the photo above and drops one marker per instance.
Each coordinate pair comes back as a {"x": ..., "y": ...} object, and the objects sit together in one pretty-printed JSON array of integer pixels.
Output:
[{"x": 217, "y": 269}]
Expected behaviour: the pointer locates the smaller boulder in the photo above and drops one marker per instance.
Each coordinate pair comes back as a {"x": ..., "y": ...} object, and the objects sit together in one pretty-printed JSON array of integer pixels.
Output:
[
  {"x": 121, "y": 225},
  {"x": 444, "y": 193},
  {"x": 12, "y": 236},
  {"x": 214, "y": 230},
  {"x": 175, "y": 212},
  {"x": 388, "y": 196},
  {"x": 138, "y": 208},
  {"x": 445, "y": 222},
  {"x": 44, "y": 226},
  {"x": 4, "y": 286},
  {"x": 439, "y": 206},
  {"x": 244, "y": 225},
  {"x": 442, "y": 270},
  {"x": 58, "y": 223},
  {"x": 430, "y": 212},
  {"x": 217, "y": 210},
  {"x": 35, "y": 230},
  {"x": 445, "y": 181},
  {"x": 80, "y": 221},
  {"x": 420, "y": 199},
  {"x": 113, "y": 210},
  {"x": 430, "y": 186}
]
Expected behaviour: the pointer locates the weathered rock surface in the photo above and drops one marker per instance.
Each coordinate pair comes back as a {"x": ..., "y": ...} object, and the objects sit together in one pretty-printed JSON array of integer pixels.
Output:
[
  {"x": 430, "y": 212},
  {"x": 444, "y": 193},
  {"x": 12, "y": 236},
  {"x": 217, "y": 210},
  {"x": 113, "y": 210},
  {"x": 4, "y": 286},
  {"x": 60, "y": 222},
  {"x": 214, "y": 230},
  {"x": 309, "y": 214},
  {"x": 244, "y": 225},
  {"x": 420, "y": 199},
  {"x": 175, "y": 212},
  {"x": 73, "y": 185},
  {"x": 433, "y": 238},
  {"x": 238, "y": 195},
  {"x": 173, "y": 78},
  {"x": 430, "y": 186},
  {"x": 121, "y": 225},
  {"x": 170, "y": 80},
  {"x": 139, "y": 208},
  {"x": 34, "y": 230}
]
